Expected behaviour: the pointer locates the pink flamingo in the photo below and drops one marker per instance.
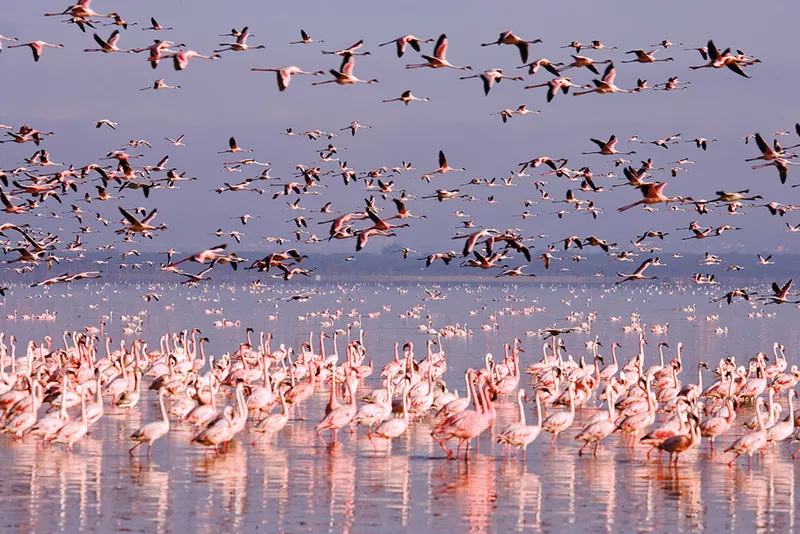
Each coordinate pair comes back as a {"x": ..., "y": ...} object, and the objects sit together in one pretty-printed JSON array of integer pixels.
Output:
[
  {"x": 37, "y": 47},
  {"x": 152, "y": 431},
  {"x": 751, "y": 442},
  {"x": 559, "y": 422}
]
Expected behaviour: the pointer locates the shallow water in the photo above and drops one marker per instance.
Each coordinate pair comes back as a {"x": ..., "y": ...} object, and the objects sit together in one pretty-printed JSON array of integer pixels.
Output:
[{"x": 296, "y": 484}]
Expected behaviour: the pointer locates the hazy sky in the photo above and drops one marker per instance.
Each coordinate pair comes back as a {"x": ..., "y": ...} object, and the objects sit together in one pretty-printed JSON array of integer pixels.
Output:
[{"x": 68, "y": 90}]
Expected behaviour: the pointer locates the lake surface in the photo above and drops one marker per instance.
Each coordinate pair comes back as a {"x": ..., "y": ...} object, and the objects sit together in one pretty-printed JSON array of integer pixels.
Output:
[{"x": 296, "y": 484}]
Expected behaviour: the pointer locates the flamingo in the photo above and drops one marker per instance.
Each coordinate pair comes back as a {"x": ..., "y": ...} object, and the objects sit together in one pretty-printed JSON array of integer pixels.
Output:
[
  {"x": 597, "y": 431},
  {"x": 37, "y": 47},
  {"x": 718, "y": 61},
  {"x": 76, "y": 430},
  {"x": 561, "y": 421},
  {"x": 152, "y": 431},
  {"x": 304, "y": 38},
  {"x": 284, "y": 74},
  {"x": 645, "y": 57},
  {"x": 240, "y": 45},
  {"x": 508, "y": 38},
  {"x": 555, "y": 84},
  {"x": 344, "y": 76},
  {"x": 519, "y": 434},
  {"x": 605, "y": 85},
  {"x": 273, "y": 423},
  {"x": 406, "y": 98},
  {"x": 490, "y": 77},
  {"x": 653, "y": 193},
  {"x": 438, "y": 60},
  {"x": 180, "y": 60},
  {"x": 677, "y": 445},
  {"x": 753, "y": 441},
  {"x": 109, "y": 45},
  {"x": 406, "y": 40}
]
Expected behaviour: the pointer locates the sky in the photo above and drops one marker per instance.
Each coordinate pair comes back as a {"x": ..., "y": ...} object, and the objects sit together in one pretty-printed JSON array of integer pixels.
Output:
[{"x": 68, "y": 90}]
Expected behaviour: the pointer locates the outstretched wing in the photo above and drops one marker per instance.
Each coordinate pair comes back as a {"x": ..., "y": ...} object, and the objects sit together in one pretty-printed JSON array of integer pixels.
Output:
[
  {"x": 713, "y": 53},
  {"x": 440, "y": 49},
  {"x": 348, "y": 63},
  {"x": 610, "y": 73},
  {"x": 131, "y": 219}
]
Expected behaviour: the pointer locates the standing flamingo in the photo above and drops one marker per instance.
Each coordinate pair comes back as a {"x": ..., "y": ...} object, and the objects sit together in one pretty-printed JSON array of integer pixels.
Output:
[{"x": 152, "y": 431}]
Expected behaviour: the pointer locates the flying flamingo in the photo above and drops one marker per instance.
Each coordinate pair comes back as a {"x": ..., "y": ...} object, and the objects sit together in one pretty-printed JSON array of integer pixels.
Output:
[
  {"x": 608, "y": 148},
  {"x": 155, "y": 26},
  {"x": 81, "y": 10},
  {"x": 406, "y": 98},
  {"x": 653, "y": 194},
  {"x": 718, "y": 61},
  {"x": 406, "y": 40},
  {"x": 37, "y": 47},
  {"x": 508, "y": 38},
  {"x": 444, "y": 168},
  {"x": 438, "y": 60},
  {"x": 108, "y": 46},
  {"x": 645, "y": 57},
  {"x": 4, "y": 38},
  {"x": 638, "y": 273},
  {"x": 344, "y": 76},
  {"x": 554, "y": 85},
  {"x": 180, "y": 60},
  {"x": 605, "y": 85},
  {"x": 304, "y": 38},
  {"x": 240, "y": 45},
  {"x": 284, "y": 74},
  {"x": 159, "y": 84},
  {"x": 490, "y": 77}
]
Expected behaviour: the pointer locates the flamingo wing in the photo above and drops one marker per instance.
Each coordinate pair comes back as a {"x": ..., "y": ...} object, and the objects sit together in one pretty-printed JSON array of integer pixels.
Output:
[
  {"x": 735, "y": 67},
  {"x": 645, "y": 264},
  {"x": 713, "y": 53},
  {"x": 610, "y": 74},
  {"x": 283, "y": 79},
  {"x": 762, "y": 145},
  {"x": 99, "y": 40},
  {"x": 348, "y": 63},
  {"x": 131, "y": 219},
  {"x": 440, "y": 49},
  {"x": 150, "y": 217},
  {"x": 785, "y": 289}
]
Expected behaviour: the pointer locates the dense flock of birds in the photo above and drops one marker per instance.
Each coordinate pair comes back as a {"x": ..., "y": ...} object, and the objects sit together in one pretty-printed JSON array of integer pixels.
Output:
[
  {"x": 32, "y": 188},
  {"x": 646, "y": 404}
]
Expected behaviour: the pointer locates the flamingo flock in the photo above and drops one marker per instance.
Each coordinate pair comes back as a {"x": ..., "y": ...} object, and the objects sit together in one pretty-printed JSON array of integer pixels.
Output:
[{"x": 55, "y": 394}]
